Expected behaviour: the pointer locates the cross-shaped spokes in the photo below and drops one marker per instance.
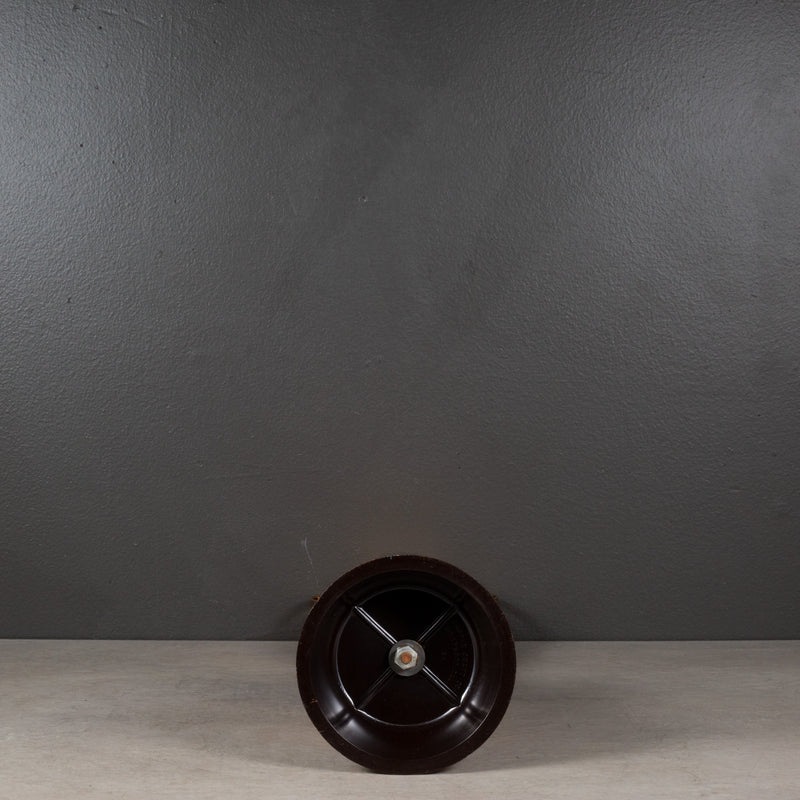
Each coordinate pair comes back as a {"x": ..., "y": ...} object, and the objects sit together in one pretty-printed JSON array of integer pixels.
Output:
[
  {"x": 406, "y": 664},
  {"x": 402, "y": 652}
]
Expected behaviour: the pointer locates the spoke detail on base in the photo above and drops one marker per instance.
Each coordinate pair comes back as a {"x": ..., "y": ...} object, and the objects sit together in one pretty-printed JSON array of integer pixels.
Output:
[
  {"x": 438, "y": 623},
  {"x": 374, "y": 624},
  {"x": 441, "y": 685},
  {"x": 471, "y": 713},
  {"x": 340, "y": 718},
  {"x": 373, "y": 690}
]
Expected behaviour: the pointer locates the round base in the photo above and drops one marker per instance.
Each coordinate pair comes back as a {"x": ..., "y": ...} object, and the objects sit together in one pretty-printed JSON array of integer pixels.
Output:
[{"x": 406, "y": 664}]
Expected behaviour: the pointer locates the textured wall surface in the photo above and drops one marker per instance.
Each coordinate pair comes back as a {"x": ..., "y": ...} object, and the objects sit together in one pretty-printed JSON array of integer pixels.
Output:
[{"x": 286, "y": 286}]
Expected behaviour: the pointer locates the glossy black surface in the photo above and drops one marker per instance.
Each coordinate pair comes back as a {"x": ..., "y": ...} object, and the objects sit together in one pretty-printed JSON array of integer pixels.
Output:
[
  {"x": 388, "y": 721},
  {"x": 425, "y": 617}
]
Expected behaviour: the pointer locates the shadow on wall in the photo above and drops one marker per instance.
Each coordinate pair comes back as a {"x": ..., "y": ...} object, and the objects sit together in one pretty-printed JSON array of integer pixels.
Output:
[
  {"x": 291, "y": 618},
  {"x": 522, "y": 620}
]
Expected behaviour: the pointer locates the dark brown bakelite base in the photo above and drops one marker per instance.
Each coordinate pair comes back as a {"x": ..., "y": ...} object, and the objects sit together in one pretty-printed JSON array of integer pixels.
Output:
[{"x": 366, "y": 705}]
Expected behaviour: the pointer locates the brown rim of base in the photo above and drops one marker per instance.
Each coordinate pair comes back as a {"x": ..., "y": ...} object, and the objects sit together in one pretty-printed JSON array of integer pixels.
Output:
[{"x": 439, "y": 569}]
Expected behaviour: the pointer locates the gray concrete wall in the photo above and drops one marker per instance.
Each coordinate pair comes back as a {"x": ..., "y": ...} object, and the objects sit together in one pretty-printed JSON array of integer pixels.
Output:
[{"x": 286, "y": 286}]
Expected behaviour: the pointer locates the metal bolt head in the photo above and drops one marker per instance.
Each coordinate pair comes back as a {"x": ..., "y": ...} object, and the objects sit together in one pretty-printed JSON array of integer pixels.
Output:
[{"x": 406, "y": 657}]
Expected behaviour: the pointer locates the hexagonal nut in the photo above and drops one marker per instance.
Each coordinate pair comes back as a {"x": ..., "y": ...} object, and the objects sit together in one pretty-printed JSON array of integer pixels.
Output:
[{"x": 406, "y": 657}]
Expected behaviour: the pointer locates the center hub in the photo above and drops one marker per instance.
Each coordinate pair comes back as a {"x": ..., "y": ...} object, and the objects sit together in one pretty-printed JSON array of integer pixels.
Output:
[{"x": 407, "y": 657}]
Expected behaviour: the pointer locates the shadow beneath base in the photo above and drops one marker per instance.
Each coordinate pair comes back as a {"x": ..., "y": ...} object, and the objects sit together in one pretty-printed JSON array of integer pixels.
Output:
[{"x": 552, "y": 717}]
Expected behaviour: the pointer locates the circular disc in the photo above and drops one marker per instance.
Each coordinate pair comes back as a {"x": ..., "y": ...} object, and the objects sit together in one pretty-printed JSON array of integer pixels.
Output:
[{"x": 406, "y": 664}]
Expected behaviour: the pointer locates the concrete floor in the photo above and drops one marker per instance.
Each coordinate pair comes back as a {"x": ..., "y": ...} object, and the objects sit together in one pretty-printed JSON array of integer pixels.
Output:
[{"x": 223, "y": 719}]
